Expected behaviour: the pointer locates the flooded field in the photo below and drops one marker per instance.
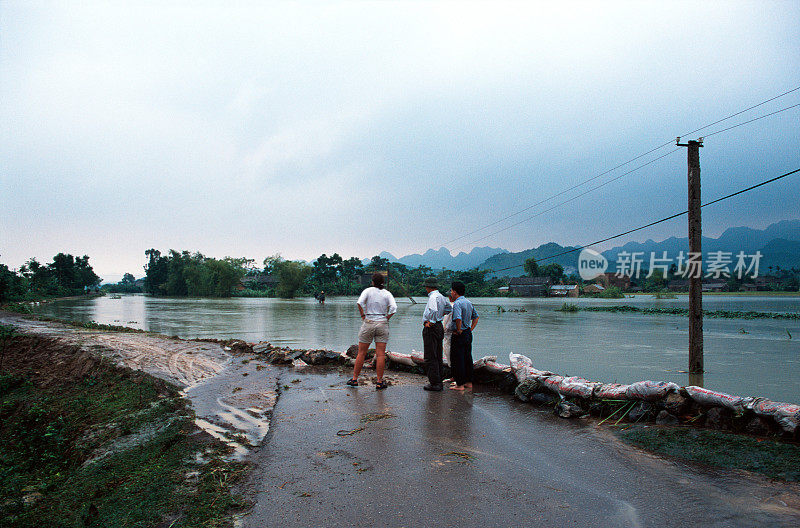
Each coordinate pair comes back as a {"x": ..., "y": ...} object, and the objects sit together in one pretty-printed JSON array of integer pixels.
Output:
[{"x": 745, "y": 357}]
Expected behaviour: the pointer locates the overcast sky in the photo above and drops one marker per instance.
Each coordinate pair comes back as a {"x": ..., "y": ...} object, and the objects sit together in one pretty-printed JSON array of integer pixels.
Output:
[{"x": 356, "y": 127}]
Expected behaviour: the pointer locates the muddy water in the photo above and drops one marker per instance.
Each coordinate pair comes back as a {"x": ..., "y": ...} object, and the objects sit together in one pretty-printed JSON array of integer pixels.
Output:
[{"x": 746, "y": 357}]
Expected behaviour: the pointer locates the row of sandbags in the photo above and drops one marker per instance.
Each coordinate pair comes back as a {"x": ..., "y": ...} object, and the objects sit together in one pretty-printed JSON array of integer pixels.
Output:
[{"x": 787, "y": 415}]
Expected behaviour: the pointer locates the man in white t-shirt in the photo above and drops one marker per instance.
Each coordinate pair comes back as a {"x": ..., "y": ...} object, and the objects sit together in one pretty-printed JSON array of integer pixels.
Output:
[{"x": 376, "y": 306}]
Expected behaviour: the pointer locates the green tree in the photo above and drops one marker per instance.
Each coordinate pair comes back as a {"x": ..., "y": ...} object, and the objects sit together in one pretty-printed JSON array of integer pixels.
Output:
[
  {"x": 84, "y": 274},
  {"x": 377, "y": 263},
  {"x": 63, "y": 269},
  {"x": 532, "y": 267},
  {"x": 156, "y": 272},
  {"x": 554, "y": 271},
  {"x": 291, "y": 276},
  {"x": 176, "y": 266},
  {"x": 350, "y": 269},
  {"x": 11, "y": 285},
  {"x": 655, "y": 282},
  {"x": 128, "y": 279}
]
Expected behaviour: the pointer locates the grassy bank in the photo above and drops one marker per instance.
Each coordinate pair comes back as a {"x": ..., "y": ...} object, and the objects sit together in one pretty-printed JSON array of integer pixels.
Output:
[
  {"x": 86, "y": 443},
  {"x": 714, "y": 448}
]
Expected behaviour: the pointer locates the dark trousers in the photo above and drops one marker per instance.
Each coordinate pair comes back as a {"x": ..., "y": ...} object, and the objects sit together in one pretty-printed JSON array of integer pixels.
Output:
[
  {"x": 461, "y": 356},
  {"x": 432, "y": 341}
]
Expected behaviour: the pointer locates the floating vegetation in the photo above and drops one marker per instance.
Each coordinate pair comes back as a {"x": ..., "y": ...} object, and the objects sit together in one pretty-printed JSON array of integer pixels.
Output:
[
  {"x": 724, "y": 314},
  {"x": 568, "y": 307},
  {"x": 665, "y": 295}
]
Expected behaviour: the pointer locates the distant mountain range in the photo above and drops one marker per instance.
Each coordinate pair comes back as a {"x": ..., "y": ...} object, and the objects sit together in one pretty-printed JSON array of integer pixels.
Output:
[
  {"x": 442, "y": 259},
  {"x": 779, "y": 245}
]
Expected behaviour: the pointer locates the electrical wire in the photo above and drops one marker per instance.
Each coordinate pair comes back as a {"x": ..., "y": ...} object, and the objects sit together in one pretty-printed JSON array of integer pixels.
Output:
[
  {"x": 573, "y": 198},
  {"x": 584, "y": 182},
  {"x": 676, "y": 215},
  {"x": 618, "y": 177},
  {"x": 752, "y": 120}
]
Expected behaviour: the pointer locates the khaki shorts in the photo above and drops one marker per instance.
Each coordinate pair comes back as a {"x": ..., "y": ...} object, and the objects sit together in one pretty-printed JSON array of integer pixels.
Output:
[{"x": 377, "y": 330}]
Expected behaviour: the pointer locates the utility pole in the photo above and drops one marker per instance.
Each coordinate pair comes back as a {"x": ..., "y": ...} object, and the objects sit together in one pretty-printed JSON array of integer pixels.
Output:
[{"x": 695, "y": 278}]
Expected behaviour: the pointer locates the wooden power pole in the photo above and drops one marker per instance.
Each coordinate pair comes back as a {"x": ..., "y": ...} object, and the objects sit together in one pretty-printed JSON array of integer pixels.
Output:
[{"x": 696, "y": 275}]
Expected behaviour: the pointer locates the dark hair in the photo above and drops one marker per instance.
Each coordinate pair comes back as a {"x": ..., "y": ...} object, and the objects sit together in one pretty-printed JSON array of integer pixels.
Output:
[
  {"x": 459, "y": 287},
  {"x": 377, "y": 280}
]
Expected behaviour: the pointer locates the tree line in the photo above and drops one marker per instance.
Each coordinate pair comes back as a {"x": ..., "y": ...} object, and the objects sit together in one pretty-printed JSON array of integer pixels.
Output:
[
  {"x": 66, "y": 275},
  {"x": 192, "y": 274}
]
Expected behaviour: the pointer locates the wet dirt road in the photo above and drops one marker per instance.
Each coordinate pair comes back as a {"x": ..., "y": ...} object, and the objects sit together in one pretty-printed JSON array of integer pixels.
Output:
[
  {"x": 403, "y": 457},
  {"x": 335, "y": 455}
]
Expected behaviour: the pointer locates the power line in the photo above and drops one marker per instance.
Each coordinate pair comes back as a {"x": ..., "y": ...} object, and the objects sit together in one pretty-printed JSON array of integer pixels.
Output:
[
  {"x": 741, "y": 112},
  {"x": 628, "y": 162},
  {"x": 625, "y": 174},
  {"x": 676, "y": 215},
  {"x": 574, "y": 197},
  {"x": 559, "y": 193},
  {"x": 750, "y": 121}
]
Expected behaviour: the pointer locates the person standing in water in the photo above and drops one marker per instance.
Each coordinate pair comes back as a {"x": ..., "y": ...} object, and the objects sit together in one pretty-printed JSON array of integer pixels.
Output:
[
  {"x": 465, "y": 319},
  {"x": 376, "y": 306}
]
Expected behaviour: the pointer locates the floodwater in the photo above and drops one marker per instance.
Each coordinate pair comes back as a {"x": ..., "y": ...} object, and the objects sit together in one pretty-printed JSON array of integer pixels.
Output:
[{"x": 744, "y": 357}]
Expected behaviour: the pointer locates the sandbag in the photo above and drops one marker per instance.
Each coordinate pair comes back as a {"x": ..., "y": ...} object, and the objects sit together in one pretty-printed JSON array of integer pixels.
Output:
[
  {"x": 551, "y": 383},
  {"x": 611, "y": 391},
  {"x": 786, "y": 414},
  {"x": 402, "y": 359},
  {"x": 716, "y": 399},
  {"x": 522, "y": 367},
  {"x": 650, "y": 390},
  {"x": 518, "y": 361},
  {"x": 522, "y": 373},
  {"x": 480, "y": 363},
  {"x": 576, "y": 386},
  {"x": 496, "y": 368},
  {"x": 526, "y": 389},
  {"x": 417, "y": 357}
]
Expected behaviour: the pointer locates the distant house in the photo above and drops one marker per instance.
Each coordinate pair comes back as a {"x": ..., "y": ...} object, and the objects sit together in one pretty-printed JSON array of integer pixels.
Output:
[
  {"x": 259, "y": 281},
  {"x": 678, "y": 285},
  {"x": 714, "y": 286},
  {"x": 592, "y": 289},
  {"x": 611, "y": 279},
  {"x": 365, "y": 279},
  {"x": 530, "y": 286},
  {"x": 564, "y": 290}
]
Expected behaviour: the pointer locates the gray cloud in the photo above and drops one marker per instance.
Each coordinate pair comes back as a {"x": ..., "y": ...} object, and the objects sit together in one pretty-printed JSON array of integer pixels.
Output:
[{"x": 358, "y": 127}]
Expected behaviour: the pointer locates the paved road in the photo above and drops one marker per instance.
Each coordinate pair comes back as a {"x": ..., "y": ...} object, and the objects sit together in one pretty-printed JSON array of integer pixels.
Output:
[{"x": 450, "y": 459}]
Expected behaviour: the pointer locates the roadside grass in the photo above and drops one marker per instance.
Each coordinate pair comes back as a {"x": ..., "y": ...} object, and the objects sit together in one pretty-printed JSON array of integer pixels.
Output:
[
  {"x": 142, "y": 436},
  {"x": 775, "y": 459}
]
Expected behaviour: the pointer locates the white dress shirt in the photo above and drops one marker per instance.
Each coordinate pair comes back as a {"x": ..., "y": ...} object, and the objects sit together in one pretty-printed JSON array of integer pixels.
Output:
[{"x": 436, "y": 308}]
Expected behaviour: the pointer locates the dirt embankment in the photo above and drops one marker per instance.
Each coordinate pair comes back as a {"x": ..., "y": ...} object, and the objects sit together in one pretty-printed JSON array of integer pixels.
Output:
[
  {"x": 184, "y": 363},
  {"x": 232, "y": 395}
]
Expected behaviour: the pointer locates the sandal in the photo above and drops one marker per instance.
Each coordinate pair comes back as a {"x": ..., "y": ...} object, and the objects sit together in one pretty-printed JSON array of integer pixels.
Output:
[
  {"x": 381, "y": 385},
  {"x": 352, "y": 382}
]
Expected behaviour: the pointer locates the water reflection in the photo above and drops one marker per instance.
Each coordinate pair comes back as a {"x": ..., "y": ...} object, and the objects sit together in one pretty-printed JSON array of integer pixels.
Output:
[{"x": 746, "y": 357}]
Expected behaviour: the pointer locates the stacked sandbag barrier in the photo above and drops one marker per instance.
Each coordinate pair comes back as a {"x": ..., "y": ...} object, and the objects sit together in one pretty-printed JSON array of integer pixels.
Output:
[{"x": 660, "y": 401}]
